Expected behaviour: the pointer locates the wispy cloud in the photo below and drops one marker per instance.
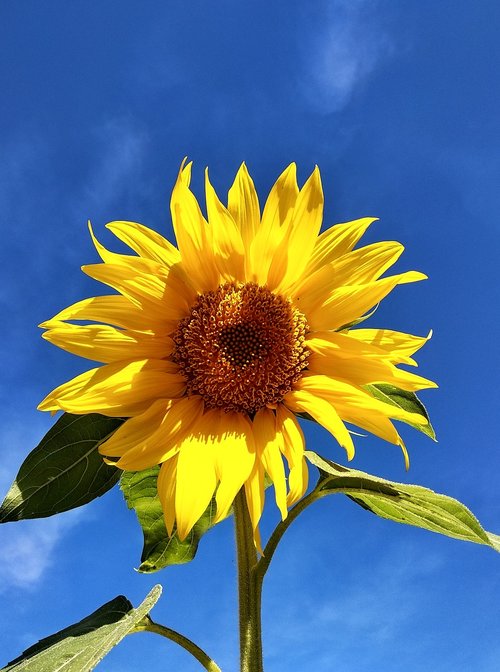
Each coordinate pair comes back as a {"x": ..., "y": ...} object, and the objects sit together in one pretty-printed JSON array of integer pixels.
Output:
[
  {"x": 373, "y": 608},
  {"x": 120, "y": 145},
  {"x": 341, "y": 51},
  {"x": 27, "y": 548}
]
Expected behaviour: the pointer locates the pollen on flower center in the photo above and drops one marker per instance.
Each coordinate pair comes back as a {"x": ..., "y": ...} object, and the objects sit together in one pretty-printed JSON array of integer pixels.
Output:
[{"x": 242, "y": 347}]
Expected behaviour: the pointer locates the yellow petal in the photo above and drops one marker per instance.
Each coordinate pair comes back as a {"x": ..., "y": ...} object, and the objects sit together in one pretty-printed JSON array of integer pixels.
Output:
[
  {"x": 294, "y": 442},
  {"x": 255, "y": 496},
  {"x": 136, "y": 431},
  {"x": 120, "y": 389},
  {"x": 323, "y": 411},
  {"x": 113, "y": 309},
  {"x": 398, "y": 345},
  {"x": 234, "y": 459},
  {"x": 227, "y": 244},
  {"x": 337, "y": 241},
  {"x": 346, "y": 304},
  {"x": 162, "y": 438},
  {"x": 348, "y": 398},
  {"x": 150, "y": 292},
  {"x": 167, "y": 479},
  {"x": 294, "y": 446},
  {"x": 292, "y": 254},
  {"x": 269, "y": 443},
  {"x": 340, "y": 356},
  {"x": 106, "y": 344},
  {"x": 276, "y": 217},
  {"x": 243, "y": 204},
  {"x": 192, "y": 235},
  {"x": 146, "y": 242},
  {"x": 360, "y": 267},
  {"x": 298, "y": 480},
  {"x": 196, "y": 476}
]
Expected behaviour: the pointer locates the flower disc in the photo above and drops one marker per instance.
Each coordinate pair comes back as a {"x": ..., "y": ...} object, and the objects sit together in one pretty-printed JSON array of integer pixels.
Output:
[{"x": 241, "y": 348}]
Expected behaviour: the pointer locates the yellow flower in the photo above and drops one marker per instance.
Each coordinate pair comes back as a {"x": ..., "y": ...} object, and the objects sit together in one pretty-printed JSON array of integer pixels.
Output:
[{"x": 219, "y": 343}]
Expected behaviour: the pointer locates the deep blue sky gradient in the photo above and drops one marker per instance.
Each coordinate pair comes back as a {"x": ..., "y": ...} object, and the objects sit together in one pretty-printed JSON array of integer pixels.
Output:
[{"x": 397, "y": 102}]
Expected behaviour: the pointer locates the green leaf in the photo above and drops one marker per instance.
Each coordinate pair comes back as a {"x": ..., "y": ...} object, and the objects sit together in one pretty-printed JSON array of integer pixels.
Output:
[
  {"x": 159, "y": 550},
  {"x": 409, "y": 504},
  {"x": 408, "y": 401},
  {"x": 64, "y": 471},
  {"x": 81, "y": 646}
]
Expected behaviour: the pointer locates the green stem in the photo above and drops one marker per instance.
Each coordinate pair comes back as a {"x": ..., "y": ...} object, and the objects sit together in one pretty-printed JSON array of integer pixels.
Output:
[
  {"x": 249, "y": 590},
  {"x": 150, "y": 626},
  {"x": 279, "y": 531}
]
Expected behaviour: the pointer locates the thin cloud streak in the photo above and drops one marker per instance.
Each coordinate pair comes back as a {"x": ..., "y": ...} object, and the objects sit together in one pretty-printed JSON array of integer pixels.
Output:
[
  {"x": 375, "y": 609},
  {"x": 28, "y": 548},
  {"x": 341, "y": 53}
]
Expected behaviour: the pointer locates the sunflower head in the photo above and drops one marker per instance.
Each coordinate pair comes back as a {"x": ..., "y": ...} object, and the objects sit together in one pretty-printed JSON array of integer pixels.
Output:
[{"x": 213, "y": 347}]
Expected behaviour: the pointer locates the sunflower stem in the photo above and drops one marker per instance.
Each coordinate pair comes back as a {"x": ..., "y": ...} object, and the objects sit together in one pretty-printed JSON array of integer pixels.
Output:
[
  {"x": 279, "y": 531},
  {"x": 249, "y": 590},
  {"x": 147, "y": 625}
]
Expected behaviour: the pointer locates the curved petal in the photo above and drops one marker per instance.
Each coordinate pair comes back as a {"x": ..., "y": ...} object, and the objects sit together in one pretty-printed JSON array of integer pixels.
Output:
[
  {"x": 196, "y": 475},
  {"x": 324, "y": 412},
  {"x": 348, "y": 398},
  {"x": 122, "y": 389},
  {"x": 298, "y": 480},
  {"x": 234, "y": 459},
  {"x": 399, "y": 346},
  {"x": 337, "y": 241},
  {"x": 340, "y": 356},
  {"x": 146, "y": 242},
  {"x": 154, "y": 436},
  {"x": 255, "y": 496},
  {"x": 106, "y": 344},
  {"x": 167, "y": 480},
  {"x": 276, "y": 217},
  {"x": 243, "y": 204},
  {"x": 136, "y": 431},
  {"x": 150, "y": 292},
  {"x": 193, "y": 235},
  {"x": 227, "y": 245},
  {"x": 294, "y": 446},
  {"x": 269, "y": 444},
  {"x": 292, "y": 254},
  {"x": 346, "y": 304},
  {"x": 113, "y": 309},
  {"x": 360, "y": 267}
]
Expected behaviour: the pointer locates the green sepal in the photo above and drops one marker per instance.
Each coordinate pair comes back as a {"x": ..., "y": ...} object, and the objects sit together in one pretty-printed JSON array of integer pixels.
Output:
[
  {"x": 81, "y": 646},
  {"x": 160, "y": 550},
  {"x": 64, "y": 471},
  {"x": 408, "y": 504},
  {"x": 408, "y": 401},
  {"x": 359, "y": 320}
]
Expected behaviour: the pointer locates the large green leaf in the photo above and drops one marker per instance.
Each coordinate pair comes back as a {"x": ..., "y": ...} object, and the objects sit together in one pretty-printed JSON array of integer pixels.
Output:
[
  {"x": 408, "y": 401},
  {"x": 409, "y": 504},
  {"x": 81, "y": 646},
  {"x": 64, "y": 471},
  {"x": 159, "y": 550}
]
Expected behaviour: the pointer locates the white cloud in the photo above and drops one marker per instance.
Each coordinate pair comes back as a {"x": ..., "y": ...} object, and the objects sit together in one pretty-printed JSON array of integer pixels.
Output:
[
  {"x": 27, "y": 548},
  {"x": 341, "y": 52}
]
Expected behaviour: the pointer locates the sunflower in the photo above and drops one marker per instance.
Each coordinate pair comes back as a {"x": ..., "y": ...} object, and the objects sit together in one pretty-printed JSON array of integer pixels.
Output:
[{"x": 211, "y": 349}]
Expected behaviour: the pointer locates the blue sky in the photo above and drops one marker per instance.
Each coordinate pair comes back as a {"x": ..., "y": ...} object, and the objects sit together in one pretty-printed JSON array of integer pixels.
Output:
[{"x": 397, "y": 102}]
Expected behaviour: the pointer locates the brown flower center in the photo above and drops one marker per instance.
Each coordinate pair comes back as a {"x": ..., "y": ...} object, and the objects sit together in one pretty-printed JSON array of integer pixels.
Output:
[{"x": 241, "y": 348}]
